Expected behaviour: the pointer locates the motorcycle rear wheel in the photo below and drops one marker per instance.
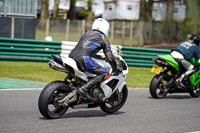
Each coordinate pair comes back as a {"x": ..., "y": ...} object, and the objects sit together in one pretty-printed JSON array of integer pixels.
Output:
[
  {"x": 47, "y": 102},
  {"x": 116, "y": 101},
  {"x": 156, "y": 86}
]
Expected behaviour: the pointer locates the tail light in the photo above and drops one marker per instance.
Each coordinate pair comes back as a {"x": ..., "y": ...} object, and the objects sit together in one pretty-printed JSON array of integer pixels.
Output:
[
  {"x": 160, "y": 62},
  {"x": 160, "y": 58},
  {"x": 106, "y": 77}
]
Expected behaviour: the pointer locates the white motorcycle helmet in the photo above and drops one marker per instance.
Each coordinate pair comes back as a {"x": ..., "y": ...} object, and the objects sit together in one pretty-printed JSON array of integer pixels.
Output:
[{"x": 101, "y": 25}]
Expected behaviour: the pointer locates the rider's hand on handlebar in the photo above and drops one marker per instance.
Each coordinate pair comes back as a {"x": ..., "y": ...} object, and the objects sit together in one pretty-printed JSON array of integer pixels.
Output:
[{"x": 119, "y": 66}]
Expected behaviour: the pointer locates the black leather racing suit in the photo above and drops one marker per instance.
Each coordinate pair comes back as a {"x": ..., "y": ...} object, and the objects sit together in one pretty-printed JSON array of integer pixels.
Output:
[{"x": 88, "y": 46}]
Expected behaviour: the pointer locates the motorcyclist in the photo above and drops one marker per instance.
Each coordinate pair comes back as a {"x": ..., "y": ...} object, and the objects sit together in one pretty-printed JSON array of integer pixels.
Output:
[
  {"x": 88, "y": 46},
  {"x": 185, "y": 51}
]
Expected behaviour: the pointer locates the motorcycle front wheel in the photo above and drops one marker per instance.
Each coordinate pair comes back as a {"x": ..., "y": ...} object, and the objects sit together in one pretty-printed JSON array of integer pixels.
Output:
[
  {"x": 157, "y": 86},
  {"x": 195, "y": 92},
  {"x": 48, "y": 98},
  {"x": 116, "y": 101}
]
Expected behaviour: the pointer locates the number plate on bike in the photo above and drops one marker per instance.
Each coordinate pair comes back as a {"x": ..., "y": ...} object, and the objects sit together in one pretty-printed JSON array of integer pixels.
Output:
[{"x": 156, "y": 69}]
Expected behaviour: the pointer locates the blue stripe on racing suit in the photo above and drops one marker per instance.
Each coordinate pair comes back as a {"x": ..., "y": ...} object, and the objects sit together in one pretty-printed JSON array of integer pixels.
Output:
[{"x": 93, "y": 67}]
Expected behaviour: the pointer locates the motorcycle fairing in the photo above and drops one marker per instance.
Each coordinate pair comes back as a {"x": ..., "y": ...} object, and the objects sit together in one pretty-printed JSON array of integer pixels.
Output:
[
  {"x": 108, "y": 86},
  {"x": 193, "y": 62},
  {"x": 113, "y": 83},
  {"x": 195, "y": 78},
  {"x": 169, "y": 59},
  {"x": 84, "y": 75},
  {"x": 70, "y": 62}
]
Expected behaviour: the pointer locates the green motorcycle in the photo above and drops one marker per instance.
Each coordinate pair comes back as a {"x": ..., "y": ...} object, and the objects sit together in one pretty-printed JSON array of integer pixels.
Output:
[{"x": 167, "y": 70}]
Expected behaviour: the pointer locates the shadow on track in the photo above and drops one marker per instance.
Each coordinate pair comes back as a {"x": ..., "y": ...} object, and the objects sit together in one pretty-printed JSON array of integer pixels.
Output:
[
  {"x": 178, "y": 97},
  {"x": 85, "y": 114}
]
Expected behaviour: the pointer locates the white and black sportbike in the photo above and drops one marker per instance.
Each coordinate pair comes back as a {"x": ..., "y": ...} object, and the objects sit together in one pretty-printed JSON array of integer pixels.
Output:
[{"x": 58, "y": 96}]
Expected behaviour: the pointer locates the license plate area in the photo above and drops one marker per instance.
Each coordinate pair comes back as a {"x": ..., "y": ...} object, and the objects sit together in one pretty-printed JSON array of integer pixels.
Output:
[{"x": 156, "y": 69}]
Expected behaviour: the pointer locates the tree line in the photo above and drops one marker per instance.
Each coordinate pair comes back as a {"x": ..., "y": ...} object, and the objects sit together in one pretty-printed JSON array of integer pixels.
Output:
[
  {"x": 145, "y": 10},
  {"x": 71, "y": 13},
  {"x": 190, "y": 24}
]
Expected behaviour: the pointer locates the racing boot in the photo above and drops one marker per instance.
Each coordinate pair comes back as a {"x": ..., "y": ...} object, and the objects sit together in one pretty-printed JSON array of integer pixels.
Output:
[
  {"x": 179, "y": 81},
  {"x": 183, "y": 76},
  {"x": 84, "y": 90}
]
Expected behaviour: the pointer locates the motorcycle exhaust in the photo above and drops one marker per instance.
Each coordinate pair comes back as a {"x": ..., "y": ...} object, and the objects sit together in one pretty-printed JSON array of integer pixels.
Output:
[{"x": 55, "y": 66}]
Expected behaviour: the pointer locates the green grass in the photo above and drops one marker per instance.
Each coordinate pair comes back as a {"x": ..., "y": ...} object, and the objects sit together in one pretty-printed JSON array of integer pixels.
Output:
[
  {"x": 137, "y": 77},
  {"x": 57, "y": 36},
  {"x": 30, "y": 71},
  {"x": 73, "y": 36}
]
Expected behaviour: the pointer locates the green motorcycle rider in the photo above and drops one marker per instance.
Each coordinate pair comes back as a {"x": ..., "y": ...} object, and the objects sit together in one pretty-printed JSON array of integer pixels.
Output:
[{"x": 186, "y": 51}]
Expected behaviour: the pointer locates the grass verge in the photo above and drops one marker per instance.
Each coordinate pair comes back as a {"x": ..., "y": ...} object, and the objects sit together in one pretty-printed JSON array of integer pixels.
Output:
[
  {"x": 137, "y": 77},
  {"x": 74, "y": 36}
]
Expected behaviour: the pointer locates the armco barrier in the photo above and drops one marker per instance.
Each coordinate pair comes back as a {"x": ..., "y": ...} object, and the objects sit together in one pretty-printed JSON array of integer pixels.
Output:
[
  {"x": 41, "y": 51},
  {"x": 141, "y": 57},
  {"x": 35, "y": 50},
  {"x": 28, "y": 50}
]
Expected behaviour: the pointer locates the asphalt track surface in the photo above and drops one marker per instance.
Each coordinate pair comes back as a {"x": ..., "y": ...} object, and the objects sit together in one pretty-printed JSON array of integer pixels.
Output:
[{"x": 177, "y": 113}]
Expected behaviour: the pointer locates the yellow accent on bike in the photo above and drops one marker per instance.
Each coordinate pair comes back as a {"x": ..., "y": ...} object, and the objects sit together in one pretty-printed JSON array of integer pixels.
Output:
[
  {"x": 169, "y": 73},
  {"x": 156, "y": 69}
]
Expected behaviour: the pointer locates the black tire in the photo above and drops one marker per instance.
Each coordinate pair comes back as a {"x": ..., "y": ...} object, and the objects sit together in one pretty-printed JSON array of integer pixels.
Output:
[
  {"x": 156, "y": 86},
  {"x": 123, "y": 96},
  {"x": 47, "y": 100},
  {"x": 195, "y": 93}
]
